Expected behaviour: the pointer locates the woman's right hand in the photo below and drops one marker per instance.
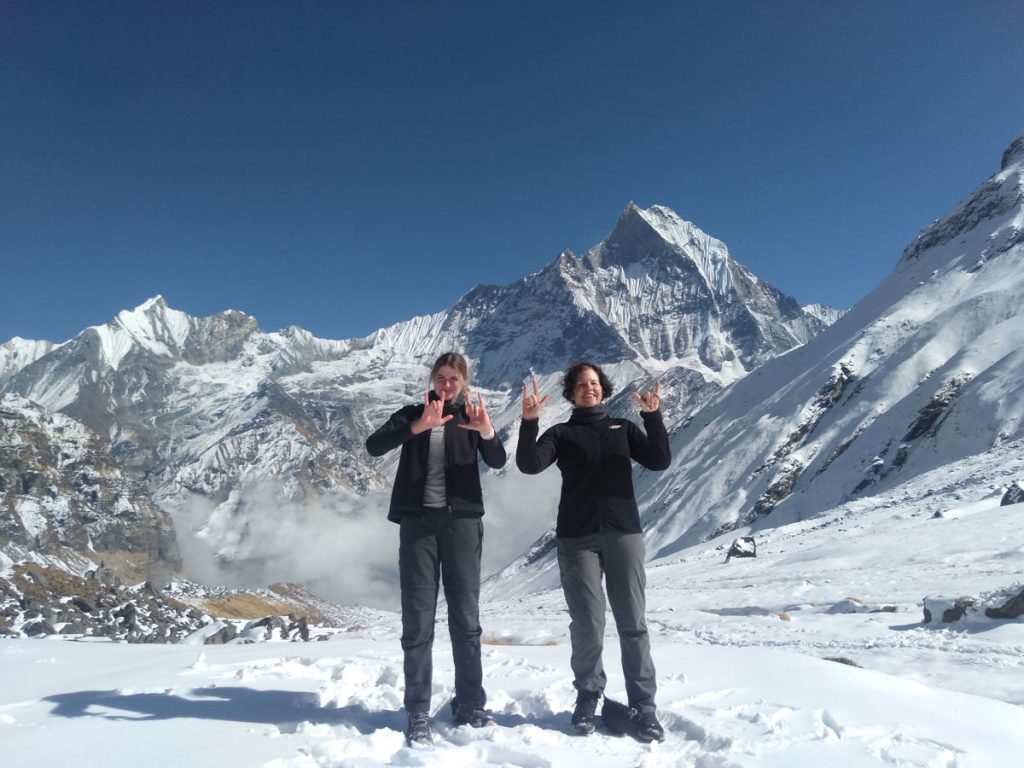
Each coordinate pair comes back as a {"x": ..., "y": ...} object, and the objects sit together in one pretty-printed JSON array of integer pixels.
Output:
[
  {"x": 433, "y": 415},
  {"x": 533, "y": 404}
]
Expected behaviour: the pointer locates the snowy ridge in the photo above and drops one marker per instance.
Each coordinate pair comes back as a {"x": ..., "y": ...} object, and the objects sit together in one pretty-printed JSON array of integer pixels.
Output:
[
  {"x": 16, "y": 353},
  {"x": 707, "y": 252},
  {"x": 152, "y": 326},
  {"x": 827, "y": 314}
]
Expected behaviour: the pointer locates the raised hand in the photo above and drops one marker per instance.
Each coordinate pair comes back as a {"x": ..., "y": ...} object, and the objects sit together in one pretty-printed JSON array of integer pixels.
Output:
[
  {"x": 533, "y": 404},
  {"x": 478, "y": 418},
  {"x": 433, "y": 415},
  {"x": 649, "y": 401}
]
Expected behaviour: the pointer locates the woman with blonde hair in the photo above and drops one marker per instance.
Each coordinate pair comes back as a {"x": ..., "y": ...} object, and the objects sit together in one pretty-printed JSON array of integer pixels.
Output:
[{"x": 437, "y": 501}]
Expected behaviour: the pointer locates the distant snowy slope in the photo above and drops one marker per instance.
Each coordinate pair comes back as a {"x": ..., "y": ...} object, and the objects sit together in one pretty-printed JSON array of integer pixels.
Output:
[
  {"x": 926, "y": 370},
  {"x": 825, "y": 313}
]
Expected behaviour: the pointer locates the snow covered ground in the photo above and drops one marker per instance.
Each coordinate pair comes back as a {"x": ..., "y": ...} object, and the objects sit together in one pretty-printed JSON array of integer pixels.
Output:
[{"x": 741, "y": 647}]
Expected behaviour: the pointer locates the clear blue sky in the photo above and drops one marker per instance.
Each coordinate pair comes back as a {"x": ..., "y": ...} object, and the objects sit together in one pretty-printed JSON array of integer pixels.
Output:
[{"x": 342, "y": 166}]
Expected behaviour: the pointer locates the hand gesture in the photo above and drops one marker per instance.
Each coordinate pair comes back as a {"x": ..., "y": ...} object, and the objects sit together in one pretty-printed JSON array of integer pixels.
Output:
[
  {"x": 649, "y": 401},
  {"x": 533, "y": 404},
  {"x": 478, "y": 418},
  {"x": 433, "y": 415}
]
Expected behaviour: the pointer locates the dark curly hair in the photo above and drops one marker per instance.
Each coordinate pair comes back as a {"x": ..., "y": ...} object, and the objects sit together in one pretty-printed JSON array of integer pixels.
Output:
[{"x": 569, "y": 380}]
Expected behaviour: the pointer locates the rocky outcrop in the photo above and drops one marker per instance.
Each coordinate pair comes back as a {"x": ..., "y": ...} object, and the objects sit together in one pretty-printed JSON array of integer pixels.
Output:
[
  {"x": 745, "y": 546},
  {"x": 1011, "y": 609},
  {"x": 1014, "y": 494},
  {"x": 39, "y": 600},
  {"x": 1001, "y": 604}
]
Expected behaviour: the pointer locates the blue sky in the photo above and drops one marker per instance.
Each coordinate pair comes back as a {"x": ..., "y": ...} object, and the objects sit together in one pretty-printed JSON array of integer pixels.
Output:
[{"x": 342, "y": 166}]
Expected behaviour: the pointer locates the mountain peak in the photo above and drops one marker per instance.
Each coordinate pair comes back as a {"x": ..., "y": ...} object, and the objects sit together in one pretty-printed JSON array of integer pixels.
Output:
[
  {"x": 659, "y": 236},
  {"x": 157, "y": 301}
]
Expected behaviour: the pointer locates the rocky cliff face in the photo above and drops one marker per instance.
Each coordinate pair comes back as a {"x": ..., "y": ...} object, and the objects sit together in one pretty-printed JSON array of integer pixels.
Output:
[{"x": 64, "y": 498}]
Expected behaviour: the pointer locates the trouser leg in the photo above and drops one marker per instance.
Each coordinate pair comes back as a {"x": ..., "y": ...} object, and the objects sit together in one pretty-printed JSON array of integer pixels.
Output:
[
  {"x": 626, "y": 580},
  {"x": 461, "y": 543},
  {"x": 418, "y": 568},
  {"x": 579, "y": 565}
]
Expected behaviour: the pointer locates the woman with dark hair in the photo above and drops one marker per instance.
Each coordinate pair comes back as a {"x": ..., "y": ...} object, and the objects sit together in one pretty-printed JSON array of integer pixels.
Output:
[
  {"x": 436, "y": 499},
  {"x": 598, "y": 533}
]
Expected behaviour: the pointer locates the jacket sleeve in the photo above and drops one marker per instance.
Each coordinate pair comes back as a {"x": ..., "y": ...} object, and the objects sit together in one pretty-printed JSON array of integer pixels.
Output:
[
  {"x": 395, "y": 432},
  {"x": 493, "y": 452},
  {"x": 533, "y": 456},
  {"x": 650, "y": 450}
]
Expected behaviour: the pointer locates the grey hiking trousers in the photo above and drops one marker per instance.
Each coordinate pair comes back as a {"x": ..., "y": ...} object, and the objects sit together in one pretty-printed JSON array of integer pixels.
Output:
[
  {"x": 438, "y": 549},
  {"x": 620, "y": 557}
]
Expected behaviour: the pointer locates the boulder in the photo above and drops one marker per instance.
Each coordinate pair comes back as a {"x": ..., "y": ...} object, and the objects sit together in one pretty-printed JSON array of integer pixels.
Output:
[
  {"x": 848, "y": 605},
  {"x": 83, "y": 604},
  {"x": 744, "y": 546},
  {"x": 946, "y": 610},
  {"x": 225, "y": 634},
  {"x": 38, "y": 628},
  {"x": 1014, "y": 494},
  {"x": 1011, "y": 609}
]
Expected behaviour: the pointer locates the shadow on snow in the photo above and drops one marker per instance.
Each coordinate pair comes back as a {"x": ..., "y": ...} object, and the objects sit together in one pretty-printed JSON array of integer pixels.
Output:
[
  {"x": 285, "y": 709},
  {"x": 280, "y": 708}
]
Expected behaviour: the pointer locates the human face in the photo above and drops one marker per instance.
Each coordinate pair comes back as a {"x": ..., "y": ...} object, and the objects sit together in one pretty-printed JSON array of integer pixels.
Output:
[
  {"x": 586, "y": 392},
  {"x": 448, "y": 382}
]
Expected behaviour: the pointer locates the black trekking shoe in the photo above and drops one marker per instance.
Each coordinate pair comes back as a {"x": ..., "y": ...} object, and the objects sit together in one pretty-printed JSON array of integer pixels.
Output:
[
  {"x": 472, "y": 715},
  {"x": 646, "y": 726},
  {"x": 418, "y": 730},
  {"x": 582, "y": 723}
]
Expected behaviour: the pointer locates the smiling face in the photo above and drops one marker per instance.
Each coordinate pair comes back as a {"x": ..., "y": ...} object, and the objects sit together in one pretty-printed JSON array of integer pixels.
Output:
[
  {"x": 586, "y": 392},
  {"x": 447, "y": 382}
]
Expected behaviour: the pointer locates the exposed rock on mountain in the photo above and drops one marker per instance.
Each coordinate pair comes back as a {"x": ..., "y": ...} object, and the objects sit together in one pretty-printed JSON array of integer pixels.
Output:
[{"x": 64, "y": 498}]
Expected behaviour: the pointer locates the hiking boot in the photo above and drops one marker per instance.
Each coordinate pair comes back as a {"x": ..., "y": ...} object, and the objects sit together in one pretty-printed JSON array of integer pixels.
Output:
[
  {"x": 582, "y": 723},
  {"x": 646, "y": 726},
  {"x": 418, "y": 730},
  {"x": 472, "y": 715}
]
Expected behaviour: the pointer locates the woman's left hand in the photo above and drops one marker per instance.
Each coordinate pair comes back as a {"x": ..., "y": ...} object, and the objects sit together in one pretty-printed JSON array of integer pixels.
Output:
[
  {"x": 649, "y": 401},
  {"x": 478, "y": 418}
]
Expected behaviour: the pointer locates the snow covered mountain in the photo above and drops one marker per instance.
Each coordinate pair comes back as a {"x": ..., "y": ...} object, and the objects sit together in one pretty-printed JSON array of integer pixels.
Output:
[
  {"x": 228, "y": 424},
  {"x": 17, "y": 353},
  {"x": 923, "y": 373}
]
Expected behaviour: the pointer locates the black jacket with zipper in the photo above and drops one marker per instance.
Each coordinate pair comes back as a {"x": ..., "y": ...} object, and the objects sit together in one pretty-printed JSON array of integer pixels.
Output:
[
  {"x": 595, "y": 455},
  {"x": 461, "y": 471}
]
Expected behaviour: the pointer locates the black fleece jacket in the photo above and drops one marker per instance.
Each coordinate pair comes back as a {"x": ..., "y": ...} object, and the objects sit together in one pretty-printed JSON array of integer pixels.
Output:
[
  {"x": 594, "y": 454},
  {"x": 462, "y": 475}
]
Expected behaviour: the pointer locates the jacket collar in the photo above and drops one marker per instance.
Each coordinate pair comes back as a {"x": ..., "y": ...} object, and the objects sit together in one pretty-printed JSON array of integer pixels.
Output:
[{"x": 589, "y": 415}]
